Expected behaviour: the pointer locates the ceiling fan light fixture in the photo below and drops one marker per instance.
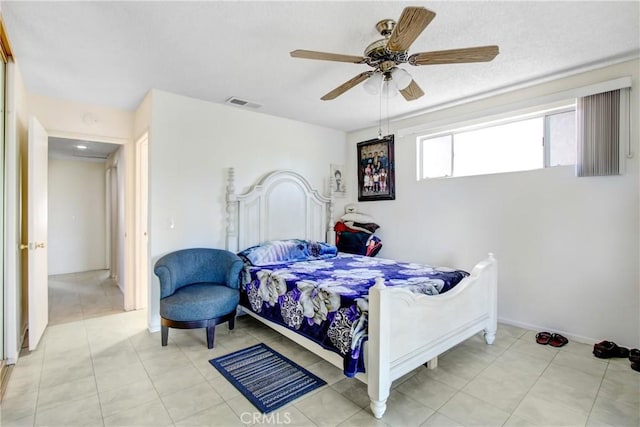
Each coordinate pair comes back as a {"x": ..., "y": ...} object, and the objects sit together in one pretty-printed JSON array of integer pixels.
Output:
[
  {"x": 401, "y": 78},
  {"x": 373, "y": 84},
  {"x": 389, "y": 89}
]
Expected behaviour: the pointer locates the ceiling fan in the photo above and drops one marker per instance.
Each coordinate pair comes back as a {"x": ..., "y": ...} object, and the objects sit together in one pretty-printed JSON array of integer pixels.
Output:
[{"x": 386, "y": 54}]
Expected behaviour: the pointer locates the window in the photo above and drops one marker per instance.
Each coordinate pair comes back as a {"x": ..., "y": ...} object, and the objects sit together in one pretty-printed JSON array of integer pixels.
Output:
[
  {"x": 561, "y": 138},
  {"x": 540, "y": 140}
]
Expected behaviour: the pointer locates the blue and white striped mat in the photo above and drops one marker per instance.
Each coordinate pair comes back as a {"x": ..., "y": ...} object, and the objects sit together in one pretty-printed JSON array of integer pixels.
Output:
[{"x": 265, "y": 377}]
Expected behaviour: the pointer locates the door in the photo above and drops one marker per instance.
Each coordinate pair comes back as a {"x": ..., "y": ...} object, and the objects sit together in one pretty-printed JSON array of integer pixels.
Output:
[
  {"x": 38, "y": 299},
  {"x": 142, "y": 241},
  {"x": 3, "y": 67}
]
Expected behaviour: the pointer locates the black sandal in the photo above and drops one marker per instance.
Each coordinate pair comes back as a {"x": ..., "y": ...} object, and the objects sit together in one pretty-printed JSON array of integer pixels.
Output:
[{"x": 609, "y": 349}]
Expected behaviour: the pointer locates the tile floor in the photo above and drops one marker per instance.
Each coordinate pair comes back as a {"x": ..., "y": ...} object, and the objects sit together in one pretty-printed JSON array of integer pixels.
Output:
[
  {"x": 99, "y": 366},
  {"x": 83, "y": 295}
]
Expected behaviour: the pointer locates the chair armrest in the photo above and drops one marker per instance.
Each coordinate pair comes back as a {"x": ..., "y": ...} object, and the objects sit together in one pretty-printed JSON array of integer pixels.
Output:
[
  {"x": 167, "y": 284},
  {"x": 233, "y": 265}
]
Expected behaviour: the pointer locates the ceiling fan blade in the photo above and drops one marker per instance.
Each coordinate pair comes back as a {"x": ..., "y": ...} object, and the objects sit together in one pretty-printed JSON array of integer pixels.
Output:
[
  {"x": 410, "y": 25},
  {"x": 347, "y": 85},
  {"x": 325, "y": 56},
  {"x": 412, "y": 92},
  {"x": 455, "y": 56}
]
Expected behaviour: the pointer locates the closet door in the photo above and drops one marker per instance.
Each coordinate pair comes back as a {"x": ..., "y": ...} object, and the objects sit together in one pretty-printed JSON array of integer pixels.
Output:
[
  {"x": 3, "y": 69},
  {"x": 37, "y": 231}
]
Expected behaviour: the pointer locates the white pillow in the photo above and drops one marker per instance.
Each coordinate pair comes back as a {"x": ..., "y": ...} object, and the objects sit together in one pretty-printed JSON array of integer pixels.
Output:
[{"x": 361, "y": 218}]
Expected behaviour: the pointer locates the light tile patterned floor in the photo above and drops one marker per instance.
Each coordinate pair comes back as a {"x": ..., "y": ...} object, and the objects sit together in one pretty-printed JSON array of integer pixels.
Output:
[{"x": 99, "y": 366}]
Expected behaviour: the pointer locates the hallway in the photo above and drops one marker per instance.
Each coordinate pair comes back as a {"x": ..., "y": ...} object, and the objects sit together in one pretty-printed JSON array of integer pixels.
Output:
[{"x": 84, "y": 295}]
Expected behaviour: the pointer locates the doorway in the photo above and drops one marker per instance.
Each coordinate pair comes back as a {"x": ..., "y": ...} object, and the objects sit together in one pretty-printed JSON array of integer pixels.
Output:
[{"x": 83, "y": 233}]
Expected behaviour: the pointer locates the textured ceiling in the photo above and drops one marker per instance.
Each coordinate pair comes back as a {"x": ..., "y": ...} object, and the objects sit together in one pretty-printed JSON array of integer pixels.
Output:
[{"x": 112, "y": 53}]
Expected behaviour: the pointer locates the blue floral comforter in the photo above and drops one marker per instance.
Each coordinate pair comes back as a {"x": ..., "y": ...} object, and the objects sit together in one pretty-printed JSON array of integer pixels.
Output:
[{"x": 327, "y": 300}]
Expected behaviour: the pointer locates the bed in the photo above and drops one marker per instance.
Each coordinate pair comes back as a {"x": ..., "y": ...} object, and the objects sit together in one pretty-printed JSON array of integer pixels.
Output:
[{"x": 282, "y": 205}]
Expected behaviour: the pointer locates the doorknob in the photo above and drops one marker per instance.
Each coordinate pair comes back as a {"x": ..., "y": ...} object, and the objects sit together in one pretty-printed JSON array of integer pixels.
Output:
[{"x": 40, "y": 245}]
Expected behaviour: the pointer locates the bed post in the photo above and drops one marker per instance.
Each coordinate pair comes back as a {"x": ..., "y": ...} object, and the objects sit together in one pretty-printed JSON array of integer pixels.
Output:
[
  {"x": 492, "y": 278},
  {"x": 232, "y": 214},
  {"x": 378, "y": 364},
  {"x": 330, "y": 234}
]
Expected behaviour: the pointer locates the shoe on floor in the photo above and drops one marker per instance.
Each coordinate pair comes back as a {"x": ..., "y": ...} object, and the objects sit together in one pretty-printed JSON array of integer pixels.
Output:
[
  {"x": 557, "y": 340},
  {"x": 543, "y": 338},
  {"x": 609, "y": 349}
]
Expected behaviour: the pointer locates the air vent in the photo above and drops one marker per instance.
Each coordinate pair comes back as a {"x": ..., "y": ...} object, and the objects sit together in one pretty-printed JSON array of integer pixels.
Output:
[{"x": 242, "y": 103}]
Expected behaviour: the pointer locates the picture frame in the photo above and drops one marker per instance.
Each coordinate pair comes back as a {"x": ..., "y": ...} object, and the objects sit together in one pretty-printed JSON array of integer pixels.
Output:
[
  {"x": 376, "y": 169},
  {"x": 338, "y": 182}
]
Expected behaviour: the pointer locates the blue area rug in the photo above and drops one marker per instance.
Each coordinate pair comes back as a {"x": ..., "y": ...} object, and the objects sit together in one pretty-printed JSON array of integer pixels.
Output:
[{"x": 265, "y": 377}]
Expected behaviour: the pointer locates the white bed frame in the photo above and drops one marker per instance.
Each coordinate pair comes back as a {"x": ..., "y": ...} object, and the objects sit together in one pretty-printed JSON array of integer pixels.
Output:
[{"x": 283, "y": 205}]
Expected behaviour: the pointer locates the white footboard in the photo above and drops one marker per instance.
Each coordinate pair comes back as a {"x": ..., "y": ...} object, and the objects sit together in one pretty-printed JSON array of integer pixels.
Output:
[{"x": 406, "y": 329}]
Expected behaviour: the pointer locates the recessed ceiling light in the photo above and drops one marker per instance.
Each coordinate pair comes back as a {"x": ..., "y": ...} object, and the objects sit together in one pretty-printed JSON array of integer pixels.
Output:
[{"x": 81, "y": 147}]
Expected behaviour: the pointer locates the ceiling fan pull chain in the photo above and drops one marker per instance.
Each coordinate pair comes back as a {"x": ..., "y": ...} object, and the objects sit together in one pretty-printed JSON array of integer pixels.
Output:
[
  {"x": 388, "y": 96},
  {"x": 380, "y": 116}
]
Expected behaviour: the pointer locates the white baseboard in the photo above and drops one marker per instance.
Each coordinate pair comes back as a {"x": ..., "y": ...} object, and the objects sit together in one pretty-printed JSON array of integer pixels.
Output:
[{"x": 532, "y": 327}]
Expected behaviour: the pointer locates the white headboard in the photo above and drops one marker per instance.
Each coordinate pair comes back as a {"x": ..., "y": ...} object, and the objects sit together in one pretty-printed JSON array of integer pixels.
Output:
[{"x": 281, "y": 205}]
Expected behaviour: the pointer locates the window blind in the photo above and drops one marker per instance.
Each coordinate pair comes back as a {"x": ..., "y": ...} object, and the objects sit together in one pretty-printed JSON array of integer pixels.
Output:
[{"x": 600, "y": 119}]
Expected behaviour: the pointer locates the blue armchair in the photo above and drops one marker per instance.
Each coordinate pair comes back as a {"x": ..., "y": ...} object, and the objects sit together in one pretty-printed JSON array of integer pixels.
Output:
[{"x": 199, "y": 288}]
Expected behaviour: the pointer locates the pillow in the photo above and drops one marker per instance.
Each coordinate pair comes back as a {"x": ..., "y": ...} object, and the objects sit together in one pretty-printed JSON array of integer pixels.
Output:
[
  {"x": 357, "y": 218},
  {"x": 280, "y": 251},
  {"x": 369, "y": 227}
]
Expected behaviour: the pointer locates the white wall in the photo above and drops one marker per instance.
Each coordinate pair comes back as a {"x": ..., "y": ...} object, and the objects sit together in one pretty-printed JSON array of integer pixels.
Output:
[
  {"x": 193, "y": 143},
  {"x": 567, "y": 247},
  {"x": 77, "y": 225},
  {"x": 142, "y": 117},
  {"x": 77, "y": 120}
]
